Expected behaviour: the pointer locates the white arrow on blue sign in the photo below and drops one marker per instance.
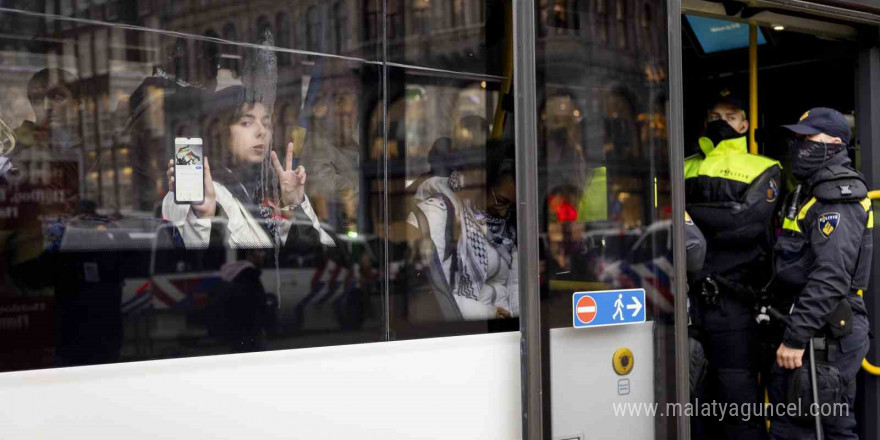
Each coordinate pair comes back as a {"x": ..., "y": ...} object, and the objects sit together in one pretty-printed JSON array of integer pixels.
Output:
[{"x": 608, "y": 307}]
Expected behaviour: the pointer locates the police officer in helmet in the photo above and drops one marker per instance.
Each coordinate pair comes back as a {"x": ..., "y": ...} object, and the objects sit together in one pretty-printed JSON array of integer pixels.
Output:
[
  {"x": 823, "y": 260},
  {"x": 731, "y": 196}
]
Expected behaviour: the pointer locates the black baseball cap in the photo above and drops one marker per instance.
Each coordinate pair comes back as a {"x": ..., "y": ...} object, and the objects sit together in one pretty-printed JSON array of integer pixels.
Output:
[
  {"x": 822, "y": 120},
  {"x": 725, "y": 96}
]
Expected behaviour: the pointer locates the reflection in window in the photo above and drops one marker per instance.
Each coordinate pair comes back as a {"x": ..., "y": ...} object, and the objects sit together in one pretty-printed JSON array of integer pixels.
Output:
[
  {"x": 263, "y": 25},
  {"x": 621, "y": 24},
  {"x": 115, "y": 269},
  {"x": 282, "y": 38},
  {"x": 456, "y": 13},
  {"x": 164, "y": 279},
  {"x": 645, "y": 23},
  {"x": 394, "y": 17},
  {"x": 600, "y": 16},
  {"x": 230, "y": 56},
  {"x": 448, "y": 34},
  {"x": 455, "y": 177},
  {"x": 564, "y": 15},
  {"x": 373, "y": 21},
  {"x": 313, "y": 28},
  {"x": 208, "y": 59},
  {"x": 340, "y": 29},
  {"x": 421, "y": 17},
  {"x": 604, "y": 172}
]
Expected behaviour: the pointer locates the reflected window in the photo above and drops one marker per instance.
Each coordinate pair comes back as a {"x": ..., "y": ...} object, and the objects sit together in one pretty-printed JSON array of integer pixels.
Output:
[
  {"x": 341, "y": 28},
  {"x": 645, "y": 23},
  {"x": 282, "y": 38},
  {"x": 263, "y": 26},
  {"x": 421, "y": 17},
  {"x": 563, "y": 15},
  {"x": 600, "y": 16},
  {"x": 105, "y": 249},
  {"x": 457, "y": 15},
  {"x": 457, "y": 35},
  {"x": 621, "y": 24},
  {"x": 313, "y": 28},
  {"x": 126, "y": 252},
  {"x": 373, "y": 21},
  {"x": 394, "y": 17},
  {"x": 604, "y": 185},
  {"x": 179, "y": 54},
  {"x": 230, "y": 55},
  {"x": 208, "y": 59},
  {"x": 453, "y": 173}
]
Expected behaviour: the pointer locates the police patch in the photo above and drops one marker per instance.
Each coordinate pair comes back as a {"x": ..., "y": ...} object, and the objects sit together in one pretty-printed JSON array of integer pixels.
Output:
[
  {"x": 772, "y": 191},
  {"x": 828, "y": 222}
]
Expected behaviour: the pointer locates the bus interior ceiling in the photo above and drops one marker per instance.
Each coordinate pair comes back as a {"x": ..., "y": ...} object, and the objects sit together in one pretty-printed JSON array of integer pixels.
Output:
[{"x": 797, "y": 70}]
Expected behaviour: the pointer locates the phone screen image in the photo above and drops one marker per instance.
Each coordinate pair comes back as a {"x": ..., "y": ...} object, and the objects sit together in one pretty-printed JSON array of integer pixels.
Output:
[{"x": 189, "y": 172}]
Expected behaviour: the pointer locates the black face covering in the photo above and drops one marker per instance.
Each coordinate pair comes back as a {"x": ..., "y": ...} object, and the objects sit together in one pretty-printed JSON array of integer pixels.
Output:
[
  {"x": 808, "y": 156},
  {"x": 720, "y": 130}
]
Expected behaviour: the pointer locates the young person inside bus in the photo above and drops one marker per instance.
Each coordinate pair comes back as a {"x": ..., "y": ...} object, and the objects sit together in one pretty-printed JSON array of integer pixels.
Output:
[{"x": 261, "y": 200}]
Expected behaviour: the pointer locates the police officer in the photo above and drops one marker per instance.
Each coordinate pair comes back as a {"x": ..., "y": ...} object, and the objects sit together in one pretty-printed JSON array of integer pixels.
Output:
[
  {"x": 731, "y": 196},
  {"x": 695, "y": 245},
  {"x": 823, "y": 258}
]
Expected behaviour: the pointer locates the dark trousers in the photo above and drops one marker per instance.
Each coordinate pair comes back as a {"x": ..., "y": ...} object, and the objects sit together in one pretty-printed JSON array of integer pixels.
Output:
[
  {"x": 729, "y": 334},
  {"x": 842, "y": 360}
]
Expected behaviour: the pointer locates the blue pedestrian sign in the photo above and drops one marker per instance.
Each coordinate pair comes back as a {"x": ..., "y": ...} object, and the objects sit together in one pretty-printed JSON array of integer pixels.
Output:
[{"x": 608, "y": 307}]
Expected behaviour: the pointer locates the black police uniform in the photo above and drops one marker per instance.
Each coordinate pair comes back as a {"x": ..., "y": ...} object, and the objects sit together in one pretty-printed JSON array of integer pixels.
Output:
[
  {"x": 695, "y": 244},
  {"x": 823, "y": 256},
  {"x": 731, "y": 195}
]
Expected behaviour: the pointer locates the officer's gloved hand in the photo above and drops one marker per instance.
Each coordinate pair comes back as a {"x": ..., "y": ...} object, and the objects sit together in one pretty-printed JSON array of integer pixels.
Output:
[{"x": 720, "y": 130}]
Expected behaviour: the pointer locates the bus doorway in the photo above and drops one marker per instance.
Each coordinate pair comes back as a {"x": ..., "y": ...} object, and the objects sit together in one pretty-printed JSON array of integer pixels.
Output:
[
  {"x": 791, "y": 62},
  {"x": 796, "y": 70}
]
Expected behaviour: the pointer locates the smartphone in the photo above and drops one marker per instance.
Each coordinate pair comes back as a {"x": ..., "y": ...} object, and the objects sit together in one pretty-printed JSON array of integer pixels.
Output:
[{"x": 189, "y": 171}]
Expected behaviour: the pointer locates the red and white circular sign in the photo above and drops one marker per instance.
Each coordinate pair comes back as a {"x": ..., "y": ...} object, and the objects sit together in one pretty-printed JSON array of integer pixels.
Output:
[{"x": 586, "y": 309}]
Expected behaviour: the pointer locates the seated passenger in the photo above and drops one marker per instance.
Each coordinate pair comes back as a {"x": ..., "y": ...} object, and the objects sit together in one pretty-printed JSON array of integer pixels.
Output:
[
  {"x": 262, "y": 205},
  {"x": 472, "y": 261}
]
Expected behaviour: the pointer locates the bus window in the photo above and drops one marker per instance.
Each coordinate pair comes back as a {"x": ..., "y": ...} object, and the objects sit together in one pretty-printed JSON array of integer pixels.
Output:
[{"x": 96, "y": 246}]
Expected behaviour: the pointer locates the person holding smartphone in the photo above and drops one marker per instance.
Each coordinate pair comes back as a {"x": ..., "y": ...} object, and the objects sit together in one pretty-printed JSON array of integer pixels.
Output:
[{"x": 261, "y": 199}]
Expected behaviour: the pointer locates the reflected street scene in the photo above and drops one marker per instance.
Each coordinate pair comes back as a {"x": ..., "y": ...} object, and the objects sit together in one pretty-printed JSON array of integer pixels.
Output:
[{"x": 186, "y": 179}]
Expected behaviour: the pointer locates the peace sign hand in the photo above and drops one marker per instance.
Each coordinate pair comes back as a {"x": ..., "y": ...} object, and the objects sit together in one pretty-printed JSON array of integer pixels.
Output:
[{"x": 293, "y": 181}]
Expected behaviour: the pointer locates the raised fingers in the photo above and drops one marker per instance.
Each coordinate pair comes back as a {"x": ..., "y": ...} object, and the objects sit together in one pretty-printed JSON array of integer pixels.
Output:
[
  {"x": 208, "y": 178},
  {"x": 276, "y": 163},
  {"x": 288, "y": 157}
]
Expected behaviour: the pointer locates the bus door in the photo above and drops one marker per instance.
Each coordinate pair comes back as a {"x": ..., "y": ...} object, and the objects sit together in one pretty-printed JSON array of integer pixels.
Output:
[
  {"x": 605, "y": 215},
  {"x": 780, "y": 62}
]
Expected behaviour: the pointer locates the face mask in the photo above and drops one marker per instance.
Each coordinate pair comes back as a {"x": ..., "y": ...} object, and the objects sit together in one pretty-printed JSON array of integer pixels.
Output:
[
  {"x": 720, "y": 130},
  {"x": 808, "y": 156}
]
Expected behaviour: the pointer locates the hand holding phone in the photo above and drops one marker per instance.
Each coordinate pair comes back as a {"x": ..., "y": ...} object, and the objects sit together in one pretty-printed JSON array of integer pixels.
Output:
[{"x": 189, "y": 176}]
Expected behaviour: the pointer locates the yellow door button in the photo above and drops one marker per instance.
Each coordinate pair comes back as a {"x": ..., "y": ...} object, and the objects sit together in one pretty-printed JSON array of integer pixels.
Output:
[
  {"x": 842, "y": 322},
  {"x": 623, "y": 361}
]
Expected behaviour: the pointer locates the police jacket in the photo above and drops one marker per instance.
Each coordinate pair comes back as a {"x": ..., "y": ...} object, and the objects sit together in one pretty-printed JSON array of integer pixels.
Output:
[
  {"x": 731, "y": 196},
  {"x": 823, "y": 255},
  {"x": 695, "y": 245}
]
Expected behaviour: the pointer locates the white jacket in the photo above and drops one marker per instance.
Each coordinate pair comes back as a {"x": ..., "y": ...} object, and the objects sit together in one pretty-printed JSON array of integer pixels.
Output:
[
  {"x": 500, "y": 286},
  {"x": 243, "y": 230}
]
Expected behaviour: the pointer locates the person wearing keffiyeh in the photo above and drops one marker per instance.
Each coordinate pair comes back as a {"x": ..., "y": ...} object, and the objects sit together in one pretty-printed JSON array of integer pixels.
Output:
[{"x": 474, "y": 237}]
